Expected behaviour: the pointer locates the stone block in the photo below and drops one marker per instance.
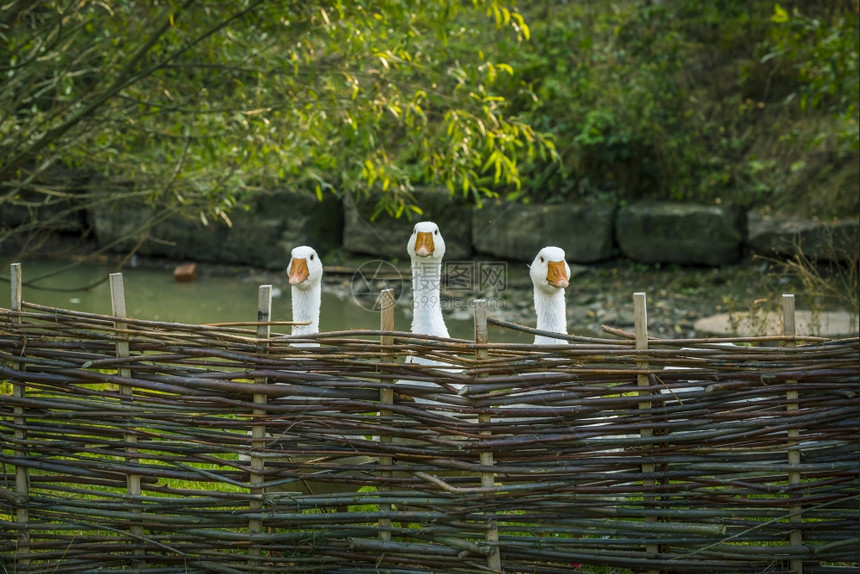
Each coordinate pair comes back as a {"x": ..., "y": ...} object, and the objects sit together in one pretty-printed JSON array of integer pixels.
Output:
[
  {"x": 385, "y": 237},
  {"x": 820, "y": 241},
  {"x": 683, "y": 233},
  {"x": 262, "y": 236},
  {"x": 517, "y": 232},
  {"x": 184, "y": 273}
]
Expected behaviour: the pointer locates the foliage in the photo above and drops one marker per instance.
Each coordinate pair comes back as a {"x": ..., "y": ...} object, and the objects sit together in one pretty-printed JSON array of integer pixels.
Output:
[
  {"x": 682, "y": 100},
  {"x": 197, "y": 107},
  {"x": 824, "y": 55},
  {"x": 831, "y": 284}
]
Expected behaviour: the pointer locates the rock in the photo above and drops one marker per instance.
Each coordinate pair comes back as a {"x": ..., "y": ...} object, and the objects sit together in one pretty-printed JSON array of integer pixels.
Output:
[
  {"x": 816, "y": 240},
  {"x": 279, "y": 222},
  {"x": 185, "y": 272},
  {"x": 263, "y": 236},
  {"x": 64, "y": 215},
  {"x": 61, "y": 212},
  {"x": 684, "y": 233},
  {"x": 517, "y": 232},
  {"x": 386, "y": 237}
]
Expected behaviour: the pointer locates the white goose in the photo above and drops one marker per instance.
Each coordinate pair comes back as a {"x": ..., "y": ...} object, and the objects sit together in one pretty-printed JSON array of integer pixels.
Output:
[
  {"x": 426, "y": 248},
  {"x": 550, "y": 275},
  {"x": 305, "y": 274}
]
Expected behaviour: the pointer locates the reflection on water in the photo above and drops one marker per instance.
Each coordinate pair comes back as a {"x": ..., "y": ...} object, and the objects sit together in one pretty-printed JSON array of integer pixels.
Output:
[{"x": 153, "y": 294}]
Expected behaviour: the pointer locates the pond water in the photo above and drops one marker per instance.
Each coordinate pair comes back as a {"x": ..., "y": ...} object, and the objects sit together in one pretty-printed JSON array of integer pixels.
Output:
[{"x": 153, "y": 294}]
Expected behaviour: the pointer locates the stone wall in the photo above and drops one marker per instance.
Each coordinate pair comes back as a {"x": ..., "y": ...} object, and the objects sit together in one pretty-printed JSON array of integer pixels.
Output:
[
  {"x": 647, "y": 232},
  {"x": 261, "y": 236},
  {"x": 517, "y": 232},
  {"x": 788, "y": 237},
  {"x": 685, "y": 233},
  {"x": 386, "y": 237}
]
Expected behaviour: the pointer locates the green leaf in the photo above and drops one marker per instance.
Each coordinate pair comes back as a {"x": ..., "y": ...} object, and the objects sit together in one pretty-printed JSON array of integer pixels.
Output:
[{"x": 780, "y": 16}]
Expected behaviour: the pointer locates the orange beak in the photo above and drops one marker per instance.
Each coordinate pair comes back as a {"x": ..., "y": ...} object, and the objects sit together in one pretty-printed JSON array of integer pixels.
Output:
[
  {"x": 424, "y": 244},
  {"x": 298, "y": 271},
  {"x": 556, "y": 274}
]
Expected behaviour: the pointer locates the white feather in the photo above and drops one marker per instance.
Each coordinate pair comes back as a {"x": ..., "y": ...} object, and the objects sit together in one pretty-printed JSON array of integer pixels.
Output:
[
  {"x": 549, "y": 300},
  {"x": 427, "y": 316},
  {"x": 306, "y": 294}
]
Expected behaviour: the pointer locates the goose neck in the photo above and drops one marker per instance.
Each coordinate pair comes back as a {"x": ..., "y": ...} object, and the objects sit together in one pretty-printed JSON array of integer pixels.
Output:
[
  {"x": 426, "y": 305},
  {"x": 306, "y": 307},
  {"x": 551, "y": 315}
]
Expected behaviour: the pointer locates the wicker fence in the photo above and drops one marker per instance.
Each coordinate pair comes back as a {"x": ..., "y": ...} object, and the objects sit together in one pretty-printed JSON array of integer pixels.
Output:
[{"x": 152, "y": 447}]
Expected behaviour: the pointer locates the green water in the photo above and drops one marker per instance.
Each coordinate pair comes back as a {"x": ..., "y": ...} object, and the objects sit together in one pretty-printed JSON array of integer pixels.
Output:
[{"x": 153, "y": 294}]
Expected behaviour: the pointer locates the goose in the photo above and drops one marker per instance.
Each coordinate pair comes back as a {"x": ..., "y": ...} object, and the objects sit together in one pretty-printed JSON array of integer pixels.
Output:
[
  {"x": 426, "y": 248},
  {"x": 305, "y": 276},
  {"x": 550, "y": 275},
  {"x": 305, "y": 272}
]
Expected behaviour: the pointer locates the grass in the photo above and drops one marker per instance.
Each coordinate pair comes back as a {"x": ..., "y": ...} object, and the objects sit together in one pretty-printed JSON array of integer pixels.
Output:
[{"x": 829, "y": 283}]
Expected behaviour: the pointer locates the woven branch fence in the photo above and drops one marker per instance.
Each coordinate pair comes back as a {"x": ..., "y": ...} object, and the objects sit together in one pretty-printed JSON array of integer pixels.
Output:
[{"x": 158, "y": 448}]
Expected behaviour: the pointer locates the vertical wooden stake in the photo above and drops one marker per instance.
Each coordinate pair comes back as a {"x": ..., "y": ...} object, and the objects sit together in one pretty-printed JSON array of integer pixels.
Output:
[
  {"x": 640, "y": 321},
  {"x": 386, "y": 397},
  {"x": 118, "y": 310},
  {"x": 22, "y": 477},
  {"x": 796, "y": 519},
  {"x": 258, "y": 431},
  {"x": 488, "y": 479}
]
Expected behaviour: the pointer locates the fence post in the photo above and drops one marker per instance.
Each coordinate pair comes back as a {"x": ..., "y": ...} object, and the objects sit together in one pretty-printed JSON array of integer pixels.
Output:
[
  {"x": 258, "y": 431},
  {"x": 488, "y": 479},
  {"x": 118, "y": 310},
  {"x": 640, "y": 322},
  {"x": 795, "y": 519},
  {"x": 22, "y": 476},
  {"x": 386, "y": 397}
]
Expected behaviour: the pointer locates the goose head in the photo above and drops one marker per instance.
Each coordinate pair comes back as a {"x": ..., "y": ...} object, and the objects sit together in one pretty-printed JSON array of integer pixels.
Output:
[
  {"x": 549, "y": 271},
  {"x": 305, "y": 270},
  {"x": 426, "y": 243}
]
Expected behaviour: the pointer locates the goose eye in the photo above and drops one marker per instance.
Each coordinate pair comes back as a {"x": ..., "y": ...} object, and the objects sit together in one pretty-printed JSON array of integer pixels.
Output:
[
  {"x": 312, "y": 256},
  {"x": 436, "y": 232},
  {"x": 541, "y": 259}
]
